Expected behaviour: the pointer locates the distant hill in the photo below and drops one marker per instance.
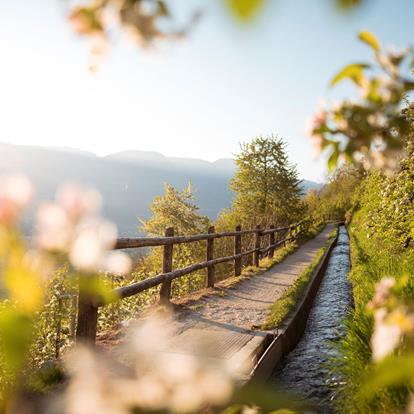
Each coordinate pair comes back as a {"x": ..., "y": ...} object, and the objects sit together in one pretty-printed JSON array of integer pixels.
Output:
[{"x": 128, "y": 180}]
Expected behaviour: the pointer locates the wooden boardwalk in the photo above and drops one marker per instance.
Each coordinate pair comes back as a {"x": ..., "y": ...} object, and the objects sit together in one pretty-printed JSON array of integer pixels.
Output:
[{"x": 223, "y": 325}]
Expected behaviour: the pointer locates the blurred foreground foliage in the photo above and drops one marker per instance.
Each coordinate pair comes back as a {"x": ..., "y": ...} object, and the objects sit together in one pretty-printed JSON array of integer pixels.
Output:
[
  {"x": 148, "y": 21},
  {"x": 371, "y": 129}
]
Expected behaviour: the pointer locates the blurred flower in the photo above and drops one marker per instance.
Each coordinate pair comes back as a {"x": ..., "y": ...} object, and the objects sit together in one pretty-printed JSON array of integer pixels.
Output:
[
  {"x": 153, "y": 377},
  {"x": 78, "y": 201},
  {"x": 54, "y": 229},
  {"x": 86, "y": 20},
  {"x": 313, "y": 130},
  {"x": 151, "y": 335},
  {"x": 386, "y": 336},
  {"x": 318, "y": 120},
  {"x": 375, "y": 115},
  {"x": 382, "y": 292},
  {"x": 117, "y": 263},
  {"x": 16, "y": 192},
  {"x": 71, "y": 226},
  {"x": 317, "y": 143},
  {"x": 250, "y": 410},
  {"x": 90, "y": 244}
]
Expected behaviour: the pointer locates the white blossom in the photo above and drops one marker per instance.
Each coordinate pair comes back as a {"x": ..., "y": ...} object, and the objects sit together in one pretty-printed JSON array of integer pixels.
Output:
[
  {"x": 54, "y": 230},
  {"x": 90, "y": 244},
  {"x": 152, "y": 377},
  {"x": 117, "y": 263},
  {"x": 386, "y": 336}
]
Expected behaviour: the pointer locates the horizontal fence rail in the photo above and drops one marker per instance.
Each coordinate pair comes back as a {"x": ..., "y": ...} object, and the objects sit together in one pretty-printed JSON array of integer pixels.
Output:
[
  {"x": 130, "y": 243},
  {"x": 87, "y": 309}
]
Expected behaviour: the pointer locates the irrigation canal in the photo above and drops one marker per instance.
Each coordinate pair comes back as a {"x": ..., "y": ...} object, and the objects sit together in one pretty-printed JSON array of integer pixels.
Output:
[{"x": 304, "y": 372}]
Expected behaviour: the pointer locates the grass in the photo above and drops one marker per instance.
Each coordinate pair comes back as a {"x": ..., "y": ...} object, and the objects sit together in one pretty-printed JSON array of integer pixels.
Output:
[
  {"x": 267, "y": 263},
  {"x": 285, "y": 305},
  {"x": 372, "y": 259}
]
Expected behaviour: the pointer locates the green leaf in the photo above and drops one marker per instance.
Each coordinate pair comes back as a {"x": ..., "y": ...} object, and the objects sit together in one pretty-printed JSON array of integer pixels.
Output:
[
  {"x": 354, "y": 71},
  {"x": 348, "y": 4},
  {"x": 333, "y": 159},
  {"x": 97, "y": 287},
  {"x": 370, "y": 40},
  {"x": 16, "y": 332},
  {"x": 245, "y": 10}
]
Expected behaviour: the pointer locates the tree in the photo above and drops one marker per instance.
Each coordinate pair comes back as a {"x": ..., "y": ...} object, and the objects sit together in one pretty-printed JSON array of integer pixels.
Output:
[
  {"x": 177, "y": 209},
  {"x": 335, "y": 199},
  {"x": 266, "y": 185}
]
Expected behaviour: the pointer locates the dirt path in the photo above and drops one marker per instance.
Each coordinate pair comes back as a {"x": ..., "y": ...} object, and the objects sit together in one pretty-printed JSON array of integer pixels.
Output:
[{"x": 225, "y": 322}]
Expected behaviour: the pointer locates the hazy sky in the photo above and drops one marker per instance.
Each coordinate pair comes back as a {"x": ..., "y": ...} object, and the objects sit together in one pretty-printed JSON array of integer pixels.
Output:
[{"x": 200, "y": 97}]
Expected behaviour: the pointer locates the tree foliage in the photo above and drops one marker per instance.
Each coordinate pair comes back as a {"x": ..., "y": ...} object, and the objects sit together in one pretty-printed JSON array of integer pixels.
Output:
[
  {"x": 179, "y": 210},
  {"x": 389, "y": 203},
  {"x": 175, "y": 209},
  {"x": 334, "y": 201},
  {"x": 266, "y": 184}
]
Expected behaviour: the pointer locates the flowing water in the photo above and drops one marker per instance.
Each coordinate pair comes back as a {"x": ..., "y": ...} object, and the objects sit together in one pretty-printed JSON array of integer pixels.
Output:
[{"x": 304, "y": 371}]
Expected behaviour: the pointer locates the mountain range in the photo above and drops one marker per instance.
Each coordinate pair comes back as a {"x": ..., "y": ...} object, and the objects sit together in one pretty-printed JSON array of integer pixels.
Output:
[{"x": 128, "y": 180}]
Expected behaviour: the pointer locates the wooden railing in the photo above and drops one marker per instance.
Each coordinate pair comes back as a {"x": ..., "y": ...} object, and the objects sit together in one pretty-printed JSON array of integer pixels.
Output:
[{"x": 88, "y": 306}]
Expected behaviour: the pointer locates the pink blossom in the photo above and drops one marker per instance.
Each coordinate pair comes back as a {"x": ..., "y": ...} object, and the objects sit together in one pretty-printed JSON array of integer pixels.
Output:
[
  {"x": 16, "y": 192},
  {"x": 317, "y": 143},
  {"x": 54, "y": 230},
  {"x": 319, "y": 118},
  {"x": 78, "y": 201},
  {"x": 382, "y": 292},
  {"x": 71, "y": 226},
  {"x": 386, "y": 336}
]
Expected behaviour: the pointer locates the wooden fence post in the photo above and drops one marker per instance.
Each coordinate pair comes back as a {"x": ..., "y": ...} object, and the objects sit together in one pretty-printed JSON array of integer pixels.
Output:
[
  {"x": 165, "y": 291},
  {"x": 287, "y": 236},
  {"x": 237, "y": 250},
  {"x": 256, "y": 256},
  {"x": 271, "y": 242},
  {"x": 210, "y": 256},
  {"x": 87, "y": 318}
]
